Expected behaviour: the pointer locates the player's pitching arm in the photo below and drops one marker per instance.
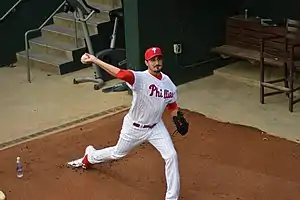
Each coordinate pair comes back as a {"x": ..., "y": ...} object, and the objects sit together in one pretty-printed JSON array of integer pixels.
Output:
[{"x": 125, "y": 75}]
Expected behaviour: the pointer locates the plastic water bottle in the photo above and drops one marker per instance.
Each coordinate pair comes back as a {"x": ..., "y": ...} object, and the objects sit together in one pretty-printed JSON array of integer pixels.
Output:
[
  {"x": 246, "y": 13},
  {"x": 19, "y": 168}
]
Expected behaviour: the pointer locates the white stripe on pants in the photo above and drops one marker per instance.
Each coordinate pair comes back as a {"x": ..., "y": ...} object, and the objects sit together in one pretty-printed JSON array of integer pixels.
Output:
[{"x": 159, "y": 137}]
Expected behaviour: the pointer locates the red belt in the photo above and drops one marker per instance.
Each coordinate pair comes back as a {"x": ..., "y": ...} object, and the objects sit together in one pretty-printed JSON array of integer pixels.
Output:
[{"x": 143, "y": 126}]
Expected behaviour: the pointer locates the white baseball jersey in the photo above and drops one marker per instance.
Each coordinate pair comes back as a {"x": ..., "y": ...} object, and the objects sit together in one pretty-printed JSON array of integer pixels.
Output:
[{"x": 150, "y": 97}]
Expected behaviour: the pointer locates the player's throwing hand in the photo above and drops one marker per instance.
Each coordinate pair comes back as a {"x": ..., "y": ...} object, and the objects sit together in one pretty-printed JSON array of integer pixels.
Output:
[{"x": 87, "y": 58}]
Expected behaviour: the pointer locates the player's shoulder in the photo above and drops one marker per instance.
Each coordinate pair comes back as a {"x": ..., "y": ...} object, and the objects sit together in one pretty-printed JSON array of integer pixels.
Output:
[
  {"x": 169, "y": 81},
  {"x": 167, "y": 78},
  {"x": 137, "y": 73}
]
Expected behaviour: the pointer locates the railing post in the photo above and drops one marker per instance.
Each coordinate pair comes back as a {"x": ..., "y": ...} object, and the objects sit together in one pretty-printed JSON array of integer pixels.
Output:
[
  {"x": 34, "y": 30},
  {"x": 27, "y": 58},
  {"x": 12, "y": 9},
  {"x": 76, "y": 34}
]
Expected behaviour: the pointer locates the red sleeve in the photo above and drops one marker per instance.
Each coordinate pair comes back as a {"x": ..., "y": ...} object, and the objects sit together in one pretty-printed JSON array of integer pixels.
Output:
[
  {"x": 172, "y": 106},
  {"x": 126, "y": 75}
]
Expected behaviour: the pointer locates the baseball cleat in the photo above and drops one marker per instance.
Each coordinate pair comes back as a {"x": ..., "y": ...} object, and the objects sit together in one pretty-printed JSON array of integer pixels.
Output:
[
  {"x": 85, "y": 163},
  {"x": 82, "y": 162},
  {"x": 75, "y": 163}
]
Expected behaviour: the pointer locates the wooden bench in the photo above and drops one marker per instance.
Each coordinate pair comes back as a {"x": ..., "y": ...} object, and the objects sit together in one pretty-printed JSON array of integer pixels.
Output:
[{"x": 248, "y": 39}]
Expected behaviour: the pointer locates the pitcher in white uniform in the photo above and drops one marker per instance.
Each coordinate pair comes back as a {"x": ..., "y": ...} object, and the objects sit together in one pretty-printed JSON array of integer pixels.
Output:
[{"x": 153, "y": 92}]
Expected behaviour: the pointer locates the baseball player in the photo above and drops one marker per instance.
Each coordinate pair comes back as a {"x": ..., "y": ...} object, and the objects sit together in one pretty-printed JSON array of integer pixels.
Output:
[{"x": 153, "y": 92}]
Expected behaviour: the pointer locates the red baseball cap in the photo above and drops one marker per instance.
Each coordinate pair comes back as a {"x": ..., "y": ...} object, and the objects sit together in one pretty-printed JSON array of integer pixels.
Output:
[{"x": 152, "y": 52}]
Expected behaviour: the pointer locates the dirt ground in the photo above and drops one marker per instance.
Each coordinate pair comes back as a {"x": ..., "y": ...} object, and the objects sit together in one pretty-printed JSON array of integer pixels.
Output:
[{"x": 217, "y": 161}]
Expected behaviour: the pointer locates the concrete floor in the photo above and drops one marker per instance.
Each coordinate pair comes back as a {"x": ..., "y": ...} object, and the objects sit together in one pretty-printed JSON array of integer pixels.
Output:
[
  {"x": 50, "y": 101},
  {"x": 232, "y": 95},
  {"x": 230, "y": 101}
]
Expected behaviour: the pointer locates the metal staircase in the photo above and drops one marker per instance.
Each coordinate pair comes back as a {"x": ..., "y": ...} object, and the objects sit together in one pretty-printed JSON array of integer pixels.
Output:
[{"x": 59, "y": 47}]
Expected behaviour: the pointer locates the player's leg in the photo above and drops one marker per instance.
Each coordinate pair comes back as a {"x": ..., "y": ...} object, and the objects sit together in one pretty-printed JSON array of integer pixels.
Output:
[
  {"x": 128, "y": 139},
  {"x": 93, "y": 156},
  {"x": 161, "y": 140},
  {"x": 121, "y": 149}
]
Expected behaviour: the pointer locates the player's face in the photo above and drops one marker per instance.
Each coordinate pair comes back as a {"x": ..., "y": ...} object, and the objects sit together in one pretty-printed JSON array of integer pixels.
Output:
[{"x": 155, "y": 64}]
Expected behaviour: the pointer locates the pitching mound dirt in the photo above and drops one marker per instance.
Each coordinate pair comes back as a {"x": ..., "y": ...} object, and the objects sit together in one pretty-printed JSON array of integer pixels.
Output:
[{"x": 217, "y": 161}]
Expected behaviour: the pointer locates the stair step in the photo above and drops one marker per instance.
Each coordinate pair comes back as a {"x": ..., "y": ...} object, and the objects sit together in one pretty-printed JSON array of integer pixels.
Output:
[
  {"x": 49, "y": 63},
  {"x": 55, "y": 48},
  {"x": 104, "y": 10},
  {"x": 67, "y": 20},
  {"x": 106, "y": 4},
  {"x": 56, "y": 52},
  {"x": 63, "y": 34},
  {"x": 96, "y": 18},
  {"x": 42, "y": 61}
]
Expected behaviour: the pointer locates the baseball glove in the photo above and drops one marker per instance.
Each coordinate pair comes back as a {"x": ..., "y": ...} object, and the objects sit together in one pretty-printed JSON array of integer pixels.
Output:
[{"x": 182, "y": 126}]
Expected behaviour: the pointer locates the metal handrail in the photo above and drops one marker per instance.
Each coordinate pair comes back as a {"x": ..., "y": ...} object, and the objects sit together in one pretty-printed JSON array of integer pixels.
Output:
[
  {"x": 34, "y": 30},
  {"x": 12, "y": 9}
]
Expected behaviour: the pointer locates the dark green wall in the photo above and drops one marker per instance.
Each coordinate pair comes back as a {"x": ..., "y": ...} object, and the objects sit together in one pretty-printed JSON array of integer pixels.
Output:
[
  {"x": 28, "y": 15},
  {"x": 197, "y": 26},
  {"x": 131, "y": 32}
]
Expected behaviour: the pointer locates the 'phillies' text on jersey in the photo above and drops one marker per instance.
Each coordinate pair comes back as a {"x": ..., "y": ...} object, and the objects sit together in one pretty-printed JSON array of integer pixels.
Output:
[{"x": 154, "y": 90}]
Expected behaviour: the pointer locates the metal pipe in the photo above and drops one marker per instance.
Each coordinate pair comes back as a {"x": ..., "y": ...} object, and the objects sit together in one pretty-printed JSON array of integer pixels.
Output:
[
  {"x": 12, "y": 9},
  {"x": 114, "y": 34},
  {"x": 34, "y": 30},
  {"x": 76, "y": 33},
  {"x": 27, "y": 57}
]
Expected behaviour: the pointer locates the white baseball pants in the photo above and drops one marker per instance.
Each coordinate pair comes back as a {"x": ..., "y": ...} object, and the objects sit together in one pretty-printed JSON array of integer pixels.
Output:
[{"x": 132, "y": 136}]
